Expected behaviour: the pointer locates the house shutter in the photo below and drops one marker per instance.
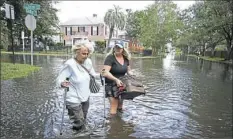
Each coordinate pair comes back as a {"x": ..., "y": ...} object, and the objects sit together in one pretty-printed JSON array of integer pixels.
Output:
[
  {"x": 66, "y": 30},
  {"x": 78, "y": 29},
  {"x": 91, "y": 30},
  {"x": 70, "y": 30},
  {"x": 97, "y": 30}
]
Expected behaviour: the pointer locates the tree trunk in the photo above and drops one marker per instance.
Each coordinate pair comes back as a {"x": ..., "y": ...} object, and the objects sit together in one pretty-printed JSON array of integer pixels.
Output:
[
  {"x": 203, "y": 51},
  {"x": 212, "y": 52},
  {"x": 9, "y": 47},
  {"x": 1, "y": 45},
  {"x": 153, "y": 51},
  {"x": 109, "y": 39},
  {"x": 229, "y": 50}
]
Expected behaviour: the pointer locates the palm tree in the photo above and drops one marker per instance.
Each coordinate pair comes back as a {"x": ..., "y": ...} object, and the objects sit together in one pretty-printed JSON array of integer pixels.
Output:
[{"x": 114, "y": 18}]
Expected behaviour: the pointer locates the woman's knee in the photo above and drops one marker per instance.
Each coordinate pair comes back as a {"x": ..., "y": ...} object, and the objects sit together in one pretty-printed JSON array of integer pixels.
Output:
[{"x": 113, "y": 101}]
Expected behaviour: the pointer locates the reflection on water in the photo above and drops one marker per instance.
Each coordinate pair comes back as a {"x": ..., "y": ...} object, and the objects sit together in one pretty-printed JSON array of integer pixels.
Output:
[{"x": 187, "y": 98}]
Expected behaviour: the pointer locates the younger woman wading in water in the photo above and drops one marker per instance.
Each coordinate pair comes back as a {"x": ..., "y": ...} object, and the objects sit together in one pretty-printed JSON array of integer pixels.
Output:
[{"x": 116, "y": 65}]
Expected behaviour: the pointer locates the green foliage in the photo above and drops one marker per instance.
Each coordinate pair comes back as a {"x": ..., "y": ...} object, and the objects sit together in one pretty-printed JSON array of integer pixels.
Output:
[
  {"x": 207, "y": 24},
  {"x": 202, "y": 26},
  {"x": 156, "y": 26},
  {"x": 9, "y": 70},
  {"x": 100, "y": 44},
  {"x": 47, "y": 20},
  {"x": 60, "y": 44},
  {"x": 3, "y": 35},
  {"x": 133, "y": 25}
]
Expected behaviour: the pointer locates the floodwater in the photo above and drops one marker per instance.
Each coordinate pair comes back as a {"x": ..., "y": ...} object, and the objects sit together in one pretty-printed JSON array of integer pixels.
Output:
[{"x": 186, "y": 98}]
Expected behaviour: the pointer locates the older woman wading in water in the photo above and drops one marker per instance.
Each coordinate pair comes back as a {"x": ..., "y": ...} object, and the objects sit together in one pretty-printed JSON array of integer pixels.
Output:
[
  {"x": 116, "y": 65},
  {"x": 77, "y": 99}
]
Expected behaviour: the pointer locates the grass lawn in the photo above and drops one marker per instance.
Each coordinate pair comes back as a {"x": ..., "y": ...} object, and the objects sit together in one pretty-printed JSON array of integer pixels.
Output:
[
  {"x": 208, "y": 58},
  {"x": 38, "y": 53},
  {"x": 213, "y": 59},
  {"x": 9, "y": 70}
]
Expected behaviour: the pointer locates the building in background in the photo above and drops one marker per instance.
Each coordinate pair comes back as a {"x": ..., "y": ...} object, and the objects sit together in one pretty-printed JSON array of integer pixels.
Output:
[{"x": 93, "y": 28}]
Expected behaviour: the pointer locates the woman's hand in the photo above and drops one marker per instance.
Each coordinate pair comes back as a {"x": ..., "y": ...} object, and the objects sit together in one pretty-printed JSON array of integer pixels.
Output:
[
  {"x": 65, "y": 84},
  {"x": 119, "y": 83},
  {"x": 104, "y": 73}
]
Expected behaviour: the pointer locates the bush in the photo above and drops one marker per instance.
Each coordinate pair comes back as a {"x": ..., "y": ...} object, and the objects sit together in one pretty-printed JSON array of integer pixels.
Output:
[
  {"x": 100, "y": 44},
  {"x": 60, "y": 44}
]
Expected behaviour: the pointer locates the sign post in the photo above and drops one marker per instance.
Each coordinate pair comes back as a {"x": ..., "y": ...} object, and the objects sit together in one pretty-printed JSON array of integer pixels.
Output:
[
  {"x": 22, "y": 35},
  {"x": 30, "y": 22}
]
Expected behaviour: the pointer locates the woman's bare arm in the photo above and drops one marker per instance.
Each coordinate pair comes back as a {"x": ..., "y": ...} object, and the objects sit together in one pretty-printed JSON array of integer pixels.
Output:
[{"x": 108, "y": 75}]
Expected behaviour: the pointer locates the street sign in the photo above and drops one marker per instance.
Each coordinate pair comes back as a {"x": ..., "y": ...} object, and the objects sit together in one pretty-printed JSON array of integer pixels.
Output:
[
  {"x": 31, "y": 12},
  {"x": 32, "y": 8},
  {"x": 9, "y": 10},
  {"x": 30, "y": 22}
]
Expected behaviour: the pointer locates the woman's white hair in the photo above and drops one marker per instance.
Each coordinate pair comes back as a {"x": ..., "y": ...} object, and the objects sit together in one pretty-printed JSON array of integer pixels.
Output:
[
  {"x": 86, "y": 44},
  {"x": 90, "y": 46},
  {"x": 77, "y": 47},
  {"x": 125, "y": 53}
]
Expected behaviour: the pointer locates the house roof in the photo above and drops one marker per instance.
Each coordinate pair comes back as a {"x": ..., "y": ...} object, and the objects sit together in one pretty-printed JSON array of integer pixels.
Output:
[{"x": 84, "y": 21}]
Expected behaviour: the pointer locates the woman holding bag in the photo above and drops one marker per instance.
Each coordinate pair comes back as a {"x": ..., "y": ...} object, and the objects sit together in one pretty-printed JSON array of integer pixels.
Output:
[
  {"x": 116, "y": 65},
  {"x": 77, "y": 99}
]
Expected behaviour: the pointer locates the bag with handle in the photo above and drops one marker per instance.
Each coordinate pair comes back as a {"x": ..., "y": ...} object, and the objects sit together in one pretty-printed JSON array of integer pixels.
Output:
[
  {"x": 94, "y": 86},
  {"x": 133, "y": 87}
]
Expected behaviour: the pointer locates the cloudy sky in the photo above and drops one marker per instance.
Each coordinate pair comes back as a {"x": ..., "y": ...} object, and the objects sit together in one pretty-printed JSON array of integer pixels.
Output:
[{"x": 73, "y": 9}]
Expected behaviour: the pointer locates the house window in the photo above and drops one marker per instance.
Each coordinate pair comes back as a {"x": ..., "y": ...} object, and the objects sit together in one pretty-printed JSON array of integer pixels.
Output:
[
  {"x": 68, "y": 30},
  {"x": 94, "y": 30},
  {"x": 81, "y": 29},
  {"x": 74, "y": 30}
]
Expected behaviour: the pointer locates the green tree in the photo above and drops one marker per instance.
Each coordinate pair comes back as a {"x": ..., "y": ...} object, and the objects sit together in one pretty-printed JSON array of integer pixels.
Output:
[
  {"x": 221, "y": 15},
  {"x": 208, "y": 23},
  {"x": 115, "y": 19},
  {"x": 133, "y": 26},
  {"x": 47, "y": 20},
  {"x": 159, "y": 25}
]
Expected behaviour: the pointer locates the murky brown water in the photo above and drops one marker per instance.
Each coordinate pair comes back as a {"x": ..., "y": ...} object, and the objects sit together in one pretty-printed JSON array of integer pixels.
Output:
[{"x": 187, "y": 98}]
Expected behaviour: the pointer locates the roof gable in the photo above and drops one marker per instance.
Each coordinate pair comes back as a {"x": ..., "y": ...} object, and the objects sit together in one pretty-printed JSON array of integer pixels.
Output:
[{"x": 84, "y": 21}]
